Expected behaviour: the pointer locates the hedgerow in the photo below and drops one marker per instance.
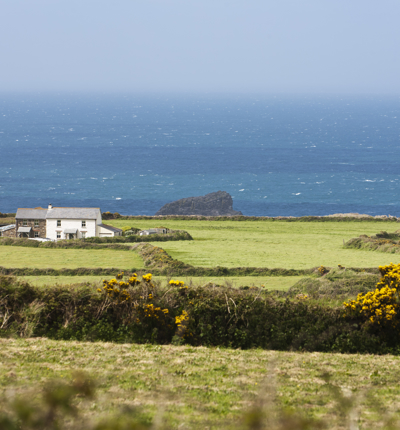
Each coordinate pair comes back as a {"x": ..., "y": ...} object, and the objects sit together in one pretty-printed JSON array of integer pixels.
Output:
[
  {"x": 115, "y": 242},
  {"x": 130, "y": 309},
  {"x": 383, "y": 242}
]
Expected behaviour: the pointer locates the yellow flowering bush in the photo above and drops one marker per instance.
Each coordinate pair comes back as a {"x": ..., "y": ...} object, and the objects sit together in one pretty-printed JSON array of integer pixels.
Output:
[
  {"x": 322, "y": 270},
  {"x": 379, "y": 307},
  {"x": 180, "y": 284},
  {"x": 147, "y": 278},
  {"x": 181, "y": 322},
  {"x": 142, "y": 304},
  {"x": 117, "y": 289},
  {"x": 174, "y": 283}
]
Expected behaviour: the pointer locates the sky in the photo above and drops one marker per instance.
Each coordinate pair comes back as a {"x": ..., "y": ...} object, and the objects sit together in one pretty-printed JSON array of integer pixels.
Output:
[{"x": 270, "y": 46}]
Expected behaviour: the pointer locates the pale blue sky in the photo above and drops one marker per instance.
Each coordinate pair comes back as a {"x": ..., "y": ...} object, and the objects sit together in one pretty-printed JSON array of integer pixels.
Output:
[{"x": 346, "y": 46}]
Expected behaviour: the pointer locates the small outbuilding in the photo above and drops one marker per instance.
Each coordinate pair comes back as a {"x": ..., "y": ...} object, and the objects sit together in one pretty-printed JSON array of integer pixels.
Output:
[
  {"x": 109, "y": 231},
  {"x": 160, "y": 230},
  {"x": 7, "y": 230}
]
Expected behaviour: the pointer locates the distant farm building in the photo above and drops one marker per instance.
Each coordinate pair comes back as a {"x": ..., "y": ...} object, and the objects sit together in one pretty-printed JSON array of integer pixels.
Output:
[{"x": 161, "y": 230}]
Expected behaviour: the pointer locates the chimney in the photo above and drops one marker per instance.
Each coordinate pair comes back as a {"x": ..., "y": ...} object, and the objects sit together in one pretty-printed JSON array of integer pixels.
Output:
[{"x": 50, "y": 206}]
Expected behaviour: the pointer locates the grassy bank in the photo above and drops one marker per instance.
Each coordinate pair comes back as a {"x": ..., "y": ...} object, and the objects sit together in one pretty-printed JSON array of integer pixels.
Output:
[
  {"x": 293, "y": 245},
  {"x": 209, "y": 387}
]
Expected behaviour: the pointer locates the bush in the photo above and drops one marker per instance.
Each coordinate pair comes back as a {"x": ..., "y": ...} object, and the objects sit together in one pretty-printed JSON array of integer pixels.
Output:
[
  {"x": 383, "y": 242},
  {"x": 336, "y": 284},
  {"x": 380, "y": 309},
  {"x": 139, "y": 310}
]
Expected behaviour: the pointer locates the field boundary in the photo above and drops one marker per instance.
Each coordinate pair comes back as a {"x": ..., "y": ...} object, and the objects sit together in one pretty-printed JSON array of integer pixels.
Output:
[
  {"x": 160, "y": 263},
  {"x": 310, "y": 218},
  {"x": 117, "y": 242},
  {"x": 381, "y": 242}
]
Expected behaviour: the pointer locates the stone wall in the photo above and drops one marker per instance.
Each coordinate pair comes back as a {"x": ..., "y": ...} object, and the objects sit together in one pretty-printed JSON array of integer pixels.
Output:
[
  {"x": 40, "y": 229},
  {"x": 8, "y": 233}
]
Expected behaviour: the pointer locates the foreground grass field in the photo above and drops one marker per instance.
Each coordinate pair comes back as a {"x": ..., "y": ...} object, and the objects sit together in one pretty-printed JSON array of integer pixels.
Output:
[
  {"x": 17, "y": 256},
  {"x": 205, "y": 387},
  {"x": 291, "y": 245},
  {"x": 271, "y": 283}
]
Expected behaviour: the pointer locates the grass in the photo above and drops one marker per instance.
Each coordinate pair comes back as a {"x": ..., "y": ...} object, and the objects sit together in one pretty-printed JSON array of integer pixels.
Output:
[
  {"x": 269, "y": 243},
  {"x": 207, "y": 387},
  {"x": 272, "y": 283},
  {"x": 17, "y": 256}
]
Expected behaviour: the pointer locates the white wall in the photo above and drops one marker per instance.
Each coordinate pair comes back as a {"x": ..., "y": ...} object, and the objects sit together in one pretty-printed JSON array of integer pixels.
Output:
[
  {"x": 103, "y": 232},
  {"x": 98, "y": 221},
  {"x": 76, "y": 224}
]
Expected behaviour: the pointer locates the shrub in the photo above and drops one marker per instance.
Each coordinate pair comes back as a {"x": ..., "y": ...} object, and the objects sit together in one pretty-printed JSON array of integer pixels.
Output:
[
  {"x": 130, "y": 309},
  {"x": 379, "y": 309}
]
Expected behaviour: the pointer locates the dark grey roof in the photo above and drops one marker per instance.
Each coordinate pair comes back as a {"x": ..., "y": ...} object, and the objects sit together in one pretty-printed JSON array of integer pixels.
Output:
[
  {"x": 73, "y": 213},
  {"x": 28, "y": 213},
  {"x": 109, "y": 227}
]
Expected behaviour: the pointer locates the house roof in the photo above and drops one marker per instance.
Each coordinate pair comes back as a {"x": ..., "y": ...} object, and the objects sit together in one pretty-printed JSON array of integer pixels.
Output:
[
  {"x": 73, "y": 213},
  {"x": 7, "y": 227},
  {"x": 57, "y": 213},
  {"x": 28, "y": 213},
  {"x": 111, "y": 228}
]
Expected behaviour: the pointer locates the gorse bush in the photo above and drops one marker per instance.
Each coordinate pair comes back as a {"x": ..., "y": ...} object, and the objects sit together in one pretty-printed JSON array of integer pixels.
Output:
[
  {"x": 379, "y": 309},
  {"x": 134, "y": 309}
]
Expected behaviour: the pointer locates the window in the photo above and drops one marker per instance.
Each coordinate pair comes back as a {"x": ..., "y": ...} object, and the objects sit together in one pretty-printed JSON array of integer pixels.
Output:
[
  {"x": 83, "y": 224},
  {"x": 83, "y": 233},
  {"x": 36, "y": 223},
  {"x": 24, "y": 222},
  {"x": 59, "y": 235},
  {"x": 36, "y": 234},
  {"x": 58, "y": 223}
]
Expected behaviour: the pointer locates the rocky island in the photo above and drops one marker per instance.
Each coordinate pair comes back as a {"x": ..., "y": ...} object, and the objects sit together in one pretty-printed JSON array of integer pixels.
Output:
[{"x": 213, "y": 204}]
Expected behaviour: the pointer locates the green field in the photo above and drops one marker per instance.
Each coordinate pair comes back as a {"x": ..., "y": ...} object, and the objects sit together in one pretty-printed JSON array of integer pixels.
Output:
[
  {"x": 269, "y": 282},
  {"x": 290, "y": 245},
  {"x": 208, "y": 387},
  {"x": 271, "y": 244},
  {"x": 18, "y": 256}
]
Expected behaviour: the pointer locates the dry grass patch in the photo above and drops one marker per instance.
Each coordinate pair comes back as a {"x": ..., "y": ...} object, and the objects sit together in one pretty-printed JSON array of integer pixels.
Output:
[{"x": 200, "y": 387}]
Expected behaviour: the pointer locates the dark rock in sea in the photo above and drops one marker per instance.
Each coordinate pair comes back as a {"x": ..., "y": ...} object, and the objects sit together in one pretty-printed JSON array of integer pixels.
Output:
[{"x": 213, "y": 204}]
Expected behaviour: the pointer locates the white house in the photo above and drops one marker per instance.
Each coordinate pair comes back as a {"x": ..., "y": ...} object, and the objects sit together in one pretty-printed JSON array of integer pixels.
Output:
[
  {"x": 62, "y": 223},
  {"x": 72, "y": 223}
]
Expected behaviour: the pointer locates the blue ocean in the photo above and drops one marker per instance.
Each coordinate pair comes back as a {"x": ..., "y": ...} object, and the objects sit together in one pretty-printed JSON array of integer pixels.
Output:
[{"x": 276, "y": 155}]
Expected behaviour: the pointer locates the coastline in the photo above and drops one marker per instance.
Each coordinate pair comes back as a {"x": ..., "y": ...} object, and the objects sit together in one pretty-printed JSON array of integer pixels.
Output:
[{"x": 318, "y": 218}]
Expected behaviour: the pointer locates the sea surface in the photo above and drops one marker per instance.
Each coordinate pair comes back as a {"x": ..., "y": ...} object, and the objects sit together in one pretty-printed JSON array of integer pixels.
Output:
[{"x": 276, "y": 155}]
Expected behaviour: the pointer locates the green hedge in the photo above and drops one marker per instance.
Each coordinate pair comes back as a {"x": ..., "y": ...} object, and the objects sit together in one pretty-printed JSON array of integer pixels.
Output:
[
  {"x": 116, "y": 242},
  {"x": 382, "y": 242},
  {"x": 79, "y": 271},
  {"x": 216, "y": 317}
]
